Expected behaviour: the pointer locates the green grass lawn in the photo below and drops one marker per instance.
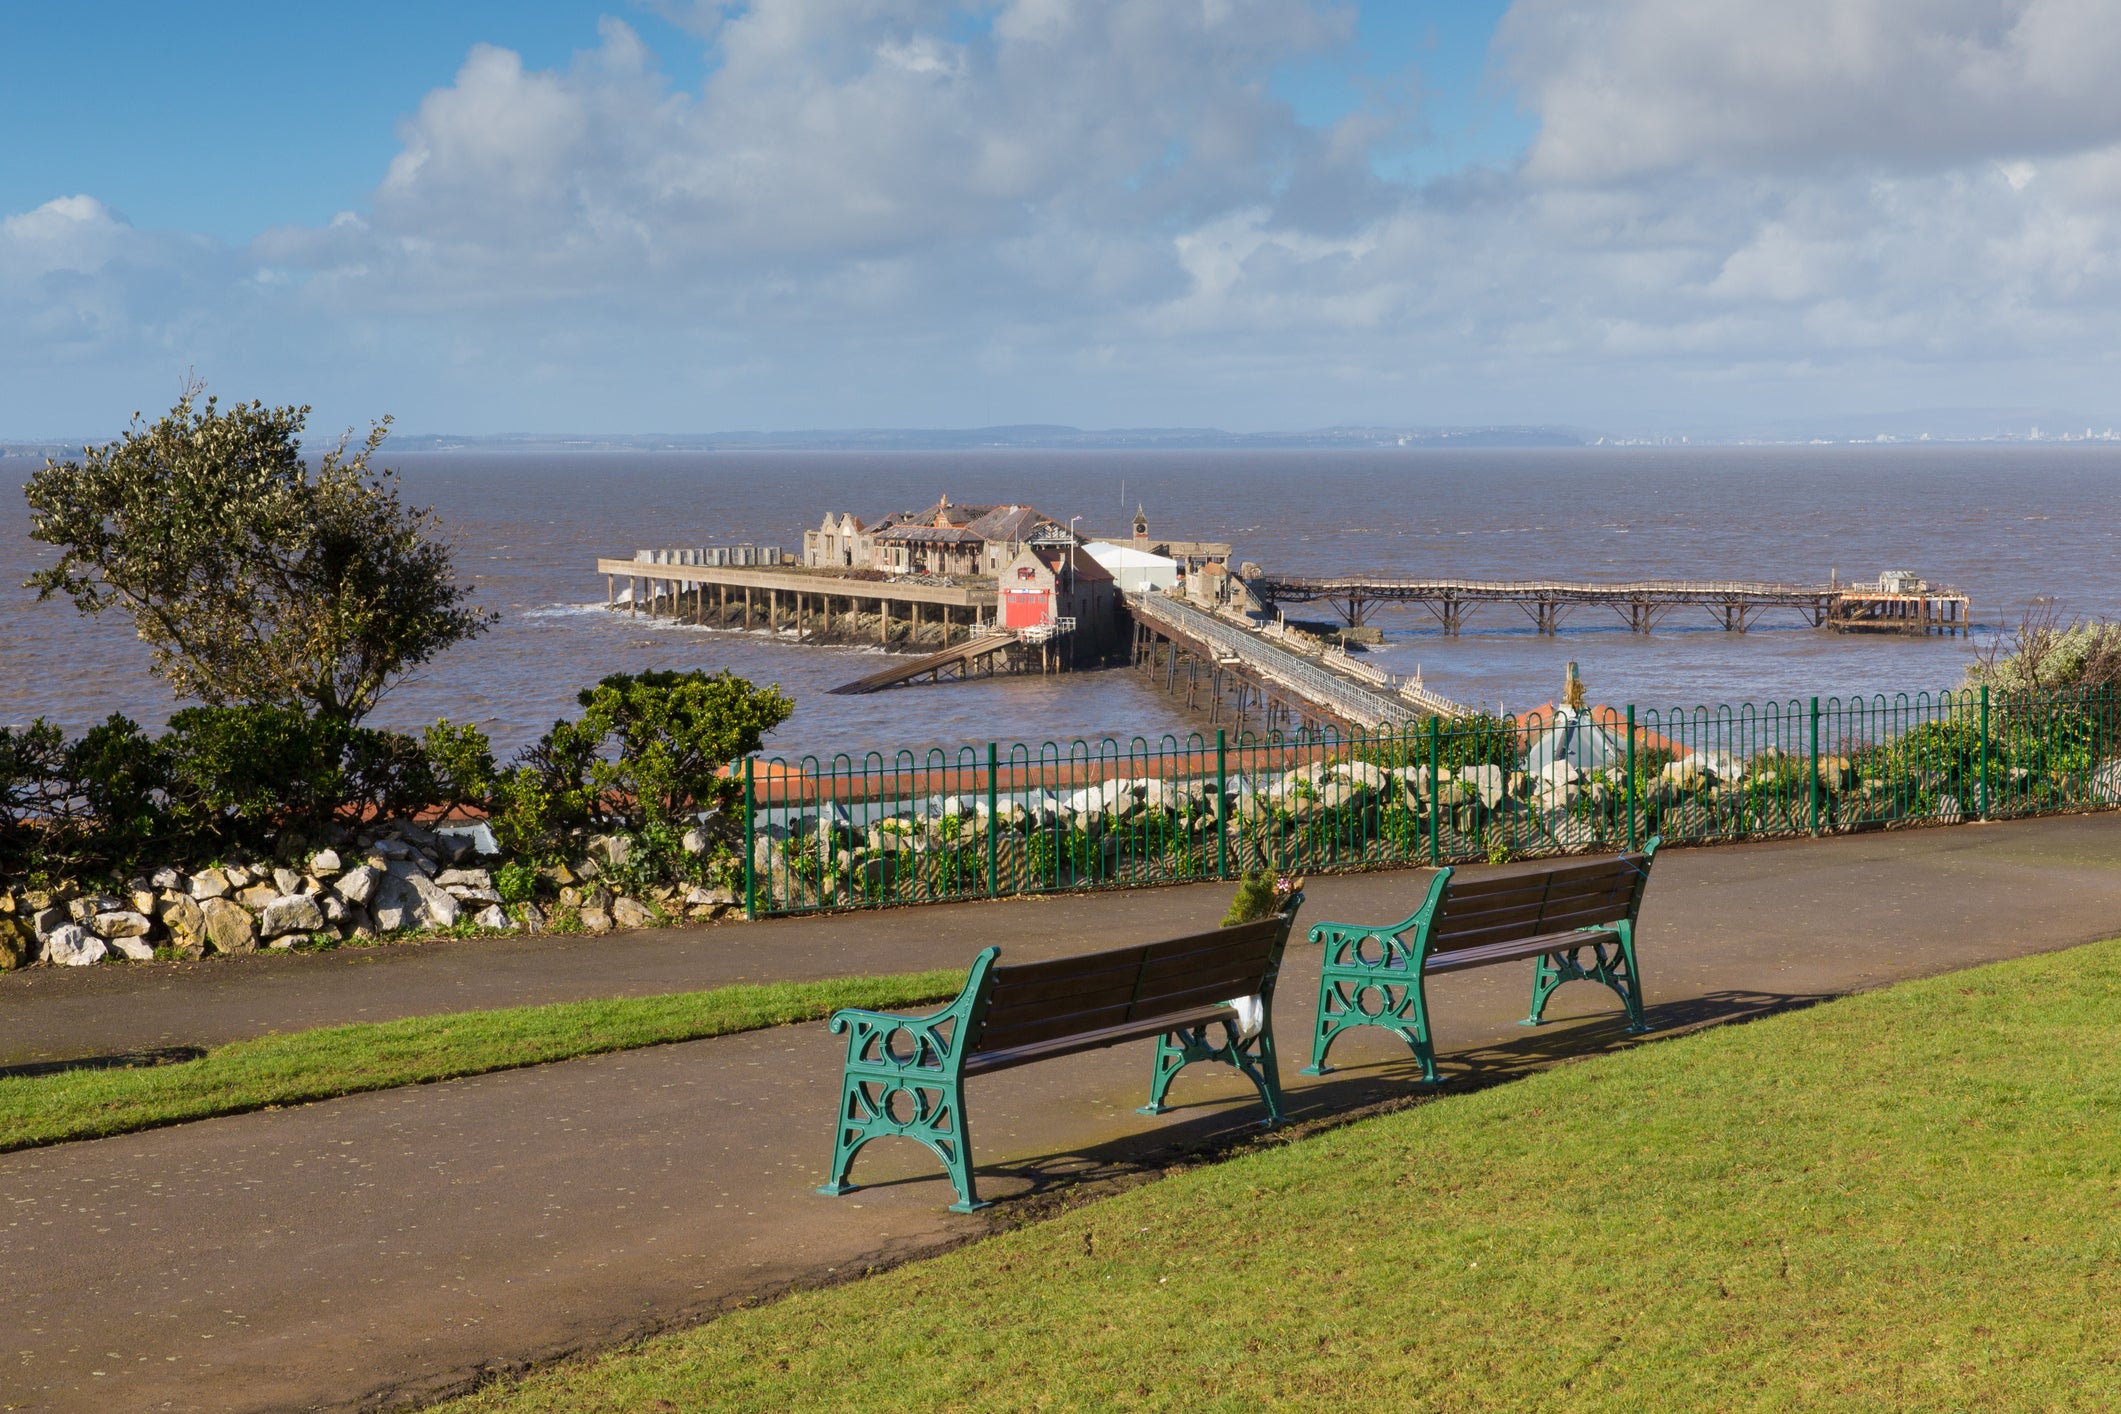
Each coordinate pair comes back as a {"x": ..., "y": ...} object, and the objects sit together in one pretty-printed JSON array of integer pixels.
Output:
[
  {"x": 342, "y": 1060},
  {"x": 1908, "y": 1199}
]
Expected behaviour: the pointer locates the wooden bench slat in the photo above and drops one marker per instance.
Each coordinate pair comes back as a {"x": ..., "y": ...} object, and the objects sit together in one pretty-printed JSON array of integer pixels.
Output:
[
  {"x": 1003, "y": 1028},
  {"x": 1004, "y": 1013},
  {"x": 1052, "y": 1048},
  {"x": 1588, "y": 915},
  {"x": 1043, "y": 1028},
  {"x": 1009, "y": 992},
  {"x": 1022, "y": 972},
  {"x": 1454, "y": 921},
  {"x": 1510, "y": 950}
]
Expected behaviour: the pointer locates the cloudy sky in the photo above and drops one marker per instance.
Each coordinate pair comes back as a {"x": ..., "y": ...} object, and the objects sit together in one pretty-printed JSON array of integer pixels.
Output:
[{"x": 490, "y": 216}]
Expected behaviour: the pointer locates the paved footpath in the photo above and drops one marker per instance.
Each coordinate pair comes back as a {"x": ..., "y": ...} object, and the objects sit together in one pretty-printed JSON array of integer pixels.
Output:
[{"x": 378, "y": 1250}]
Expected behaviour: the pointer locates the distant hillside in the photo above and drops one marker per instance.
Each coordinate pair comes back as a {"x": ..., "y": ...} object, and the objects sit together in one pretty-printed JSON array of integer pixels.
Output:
[{"x": 1026, "y": 437}]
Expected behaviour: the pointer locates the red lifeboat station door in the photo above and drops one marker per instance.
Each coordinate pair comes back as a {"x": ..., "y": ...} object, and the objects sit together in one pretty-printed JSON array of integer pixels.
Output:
[{"x": 1024, "y": 608}]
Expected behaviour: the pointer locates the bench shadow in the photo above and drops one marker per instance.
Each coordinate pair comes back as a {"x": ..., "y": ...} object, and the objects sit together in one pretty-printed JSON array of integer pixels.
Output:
[
  {"x": 1209, "y": 1130},
  {"x": 120, "y": 1060}
]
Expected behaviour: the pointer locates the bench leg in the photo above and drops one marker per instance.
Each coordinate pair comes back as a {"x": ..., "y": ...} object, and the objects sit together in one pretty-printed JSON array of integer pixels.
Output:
[
  {"x": 1403, "y": 1009},
  {"x": 1612, "y": 965},
  {"x": 936, "y": 1119},
  {"x": 1254, "y": 1057}
]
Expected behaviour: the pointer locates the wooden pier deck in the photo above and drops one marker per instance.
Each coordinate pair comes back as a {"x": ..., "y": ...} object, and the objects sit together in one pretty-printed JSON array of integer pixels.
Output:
[
  {"x": 909, "y": 616},
  {"x": 1263, "y": 685},
  {"x": 1642, "y": 604}
]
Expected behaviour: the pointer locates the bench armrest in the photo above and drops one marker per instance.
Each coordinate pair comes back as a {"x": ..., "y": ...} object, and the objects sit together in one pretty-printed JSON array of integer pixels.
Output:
[
  {"x": 939, "y": 1040},
  {"x": 1399, "y": 939},
  {"x": 1342, "y": 943}
]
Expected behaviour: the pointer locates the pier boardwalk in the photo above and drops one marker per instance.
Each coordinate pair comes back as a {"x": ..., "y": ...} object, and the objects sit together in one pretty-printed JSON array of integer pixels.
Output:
[
  {"x": 814, "y": 604},
  {"x": 1898, "y": 603},
  {"x": 1247, "y": 673}
]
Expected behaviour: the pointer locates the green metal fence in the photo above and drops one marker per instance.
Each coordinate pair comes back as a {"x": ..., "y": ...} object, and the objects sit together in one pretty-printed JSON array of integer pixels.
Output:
[{"x": 981, "y": 822}]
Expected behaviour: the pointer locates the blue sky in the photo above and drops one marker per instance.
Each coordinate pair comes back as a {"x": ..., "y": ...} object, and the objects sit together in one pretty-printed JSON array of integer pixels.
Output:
[{"x": 1248, "y": 213}]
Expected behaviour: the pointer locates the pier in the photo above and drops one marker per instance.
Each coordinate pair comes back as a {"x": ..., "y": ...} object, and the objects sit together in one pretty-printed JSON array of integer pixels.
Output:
[
  {"x": 1898, "y": 603},
  {"x": 1241, "y": 675},
  {"x": 816, "y": 606}
]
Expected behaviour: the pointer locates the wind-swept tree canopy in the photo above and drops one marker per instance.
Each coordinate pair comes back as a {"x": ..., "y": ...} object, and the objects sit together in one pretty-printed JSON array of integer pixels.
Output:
[{"x": 253, "y": 578}]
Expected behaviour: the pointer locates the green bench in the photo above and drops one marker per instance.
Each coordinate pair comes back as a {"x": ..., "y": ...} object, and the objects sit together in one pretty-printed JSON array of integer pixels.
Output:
[
  {"x": 905, "y": 1075},
  {"x": 1575, "y": 922}
]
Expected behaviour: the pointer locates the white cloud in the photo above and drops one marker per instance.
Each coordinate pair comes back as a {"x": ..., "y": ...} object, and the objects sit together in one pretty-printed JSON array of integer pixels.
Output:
[
  {"x": 908, "y": 211},
  {"x": 1641, "y": 86}
]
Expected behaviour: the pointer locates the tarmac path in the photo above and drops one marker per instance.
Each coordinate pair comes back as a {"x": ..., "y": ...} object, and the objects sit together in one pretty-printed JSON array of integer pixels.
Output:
[{"x": 382, "y": 1249}]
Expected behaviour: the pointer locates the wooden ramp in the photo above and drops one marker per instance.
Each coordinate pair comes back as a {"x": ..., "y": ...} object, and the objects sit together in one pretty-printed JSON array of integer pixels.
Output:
[{"x": 934, "y": 666}]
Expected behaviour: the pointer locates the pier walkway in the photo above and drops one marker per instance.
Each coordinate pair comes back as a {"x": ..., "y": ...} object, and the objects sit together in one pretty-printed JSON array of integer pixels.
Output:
[
  {"x": 377, "y": 1250},
  {"x": 1291, "y": 684},
  {"x": 906, "y": 614},
  {"x": 1642, "y": 604}
]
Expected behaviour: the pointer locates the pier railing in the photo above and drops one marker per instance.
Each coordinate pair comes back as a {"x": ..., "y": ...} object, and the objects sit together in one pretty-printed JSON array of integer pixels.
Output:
[{"x": 981, "y": 821}]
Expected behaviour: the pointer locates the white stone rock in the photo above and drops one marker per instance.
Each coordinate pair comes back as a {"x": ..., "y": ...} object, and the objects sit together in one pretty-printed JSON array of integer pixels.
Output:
[
  {"x": 1334, "y": 792},
  {"x": 287, "y": 881},
  {"x": 290, "y": 913},
  {"x": 47, "y": 921},
  {"x": 325, "y": 863},
  {"x": 1363, "y": 774},
  {"x": 72, "y": 945},
  {"x": 464, "y": 894},
  {"x": 1486, "y": 780},
  {"x": 167, "y": 880},
  {"x": 238, "y": 877},
  {"x": 209, "y": 883},
  {"x": 629, "y": 913},
  {"x": 121, "y": 924},
  {"x": 393, "y": 849},
  {"x": 358, "y": 885},
  {"x": 493, "y": 916},
  {"x": 465, "y": 878},
  {"x": 85, "y": 909},
  {"x": 133, "y": 949},
  {"x": 412, "y": 900},
  {"x": 693, "y": 841}
]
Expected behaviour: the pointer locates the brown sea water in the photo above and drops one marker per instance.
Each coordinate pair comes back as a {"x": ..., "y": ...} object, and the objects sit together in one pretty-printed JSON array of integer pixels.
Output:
[{"x": 2004, "y": 524}]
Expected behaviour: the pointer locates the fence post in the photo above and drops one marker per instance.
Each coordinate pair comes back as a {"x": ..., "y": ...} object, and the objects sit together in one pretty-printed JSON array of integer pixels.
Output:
[
  {"x": 1222, "y": 804},
  {"x": 1815, "y": 768},
  {"x": 1984, "y": 751},
  {"x": 1631, "y": 776},
  {"x": 1435, "y": 796},
  {"x": 751, "y": 880},
  {"x": 994, "y": 834}
]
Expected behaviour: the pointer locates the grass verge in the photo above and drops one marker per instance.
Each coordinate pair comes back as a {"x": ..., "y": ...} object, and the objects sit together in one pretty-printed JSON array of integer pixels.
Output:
[
  {"x": 344, "y": 1060},
  {"x": 1906, "y": 1199}
]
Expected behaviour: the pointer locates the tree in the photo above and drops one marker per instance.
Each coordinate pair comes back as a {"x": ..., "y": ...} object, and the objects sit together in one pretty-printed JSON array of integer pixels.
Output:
[{"x": 253, "y": 579}]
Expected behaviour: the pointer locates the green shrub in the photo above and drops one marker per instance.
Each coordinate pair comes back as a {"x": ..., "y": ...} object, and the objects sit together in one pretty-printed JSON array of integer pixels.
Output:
[
  {"x": 662, "y": 739},
  {"x": 516, "y": 882},
  {"x": 460, "y": 761},
  {"x": 33, "y": 794},
  {"x": 239, "y": 775},
  {"x": 120, "y": 777}
]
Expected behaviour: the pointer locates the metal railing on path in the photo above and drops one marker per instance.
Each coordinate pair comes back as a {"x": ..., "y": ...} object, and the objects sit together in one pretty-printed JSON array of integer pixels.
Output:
[{"x": 910, "y": 826}]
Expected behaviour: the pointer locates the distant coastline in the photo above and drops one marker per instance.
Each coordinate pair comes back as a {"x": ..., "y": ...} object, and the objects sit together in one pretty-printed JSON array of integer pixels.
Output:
[{"x": 2012, "y": 426}]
